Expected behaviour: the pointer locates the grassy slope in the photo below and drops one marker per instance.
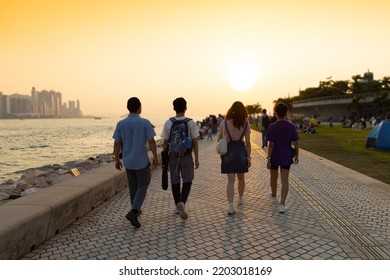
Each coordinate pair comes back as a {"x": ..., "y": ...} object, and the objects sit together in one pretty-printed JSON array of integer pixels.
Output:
[{"x": 346, "y": 146}]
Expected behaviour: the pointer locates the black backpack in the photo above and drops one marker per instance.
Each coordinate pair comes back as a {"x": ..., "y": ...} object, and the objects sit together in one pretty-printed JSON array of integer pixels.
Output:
[{"x": 265, "y": 122}]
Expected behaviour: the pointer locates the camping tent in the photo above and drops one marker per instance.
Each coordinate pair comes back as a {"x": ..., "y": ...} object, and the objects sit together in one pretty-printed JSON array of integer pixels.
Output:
[{"x": 379, "y": 137}]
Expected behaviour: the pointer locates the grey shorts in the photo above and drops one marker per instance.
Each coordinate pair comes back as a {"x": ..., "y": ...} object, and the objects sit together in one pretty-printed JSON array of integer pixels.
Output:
[{"x": 181, "y": 168}]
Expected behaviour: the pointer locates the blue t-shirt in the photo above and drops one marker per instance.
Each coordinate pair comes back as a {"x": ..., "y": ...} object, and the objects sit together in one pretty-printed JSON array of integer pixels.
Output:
[
  {"x": 134, "y": 132},
  {"x": 282, "y": 133}
]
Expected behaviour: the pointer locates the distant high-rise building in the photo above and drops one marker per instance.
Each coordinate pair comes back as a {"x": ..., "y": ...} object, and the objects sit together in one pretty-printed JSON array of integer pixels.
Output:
[
  {"x": 368, "y": 76},
  {"x": 5, "y": 105},
  {"x": 58, "y": 102},
  {"x": 34, "y": 101},
  {"x": 72, "y": 109},
  {"x": 1, "y": 104},
  {"x": 20, "y": 104},
  {"x": 40, "y": 104}
]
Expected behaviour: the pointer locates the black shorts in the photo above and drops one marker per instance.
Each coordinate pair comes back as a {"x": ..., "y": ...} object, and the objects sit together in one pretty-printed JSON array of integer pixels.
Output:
[{"x": 276, "y": 167}]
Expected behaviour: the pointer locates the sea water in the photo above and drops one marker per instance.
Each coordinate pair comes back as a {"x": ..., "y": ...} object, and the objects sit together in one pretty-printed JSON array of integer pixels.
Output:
[{"x": 31, "y": 143}]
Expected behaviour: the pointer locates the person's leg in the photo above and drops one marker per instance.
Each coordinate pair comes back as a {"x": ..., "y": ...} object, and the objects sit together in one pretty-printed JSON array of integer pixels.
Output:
[
  {"x": 187, "y": 176},
  {"x": 274, "y": 180},
  {"x": 241, "y": 187},
  {"x": 284, "y": 174},
  {"x": 230, "y": 192},
  {"x": 176, "y": 193},
  {"x": 185, "y": 191},
  {"x": 139, "y": 181},
  {"x": 143, "y": 178},
  {"x": 263, "y": 136},
  {"x": 174, "y": 170},
  {"x": 133, "y": 184},
  {"x": 230, "y": 187}
]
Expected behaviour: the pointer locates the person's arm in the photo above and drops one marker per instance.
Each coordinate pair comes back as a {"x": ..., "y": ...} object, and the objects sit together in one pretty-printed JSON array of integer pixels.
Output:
[
  {"x": 153, "y": 148},
  {"x": 165, "y": 135},
  {"x": 296, "y": 158},
  {"x": 165, "y": 144},
  {"x": 270, "y": 150},
  {"x": 219, "y": 136},
  {"x": 117, "y": 150},
  {"x": 248, "y": 146},
  {"x": 220, "y": 129},
  {"x": 195, "y": 148}
]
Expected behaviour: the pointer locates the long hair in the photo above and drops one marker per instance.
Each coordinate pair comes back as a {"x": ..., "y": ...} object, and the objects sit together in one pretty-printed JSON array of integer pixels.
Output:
[{"x": 238, "y": 114}]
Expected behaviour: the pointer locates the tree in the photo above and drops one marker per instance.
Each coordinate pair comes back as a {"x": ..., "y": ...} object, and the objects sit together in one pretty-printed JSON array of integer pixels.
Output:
[
  {"x": 287, "y": 101},
  {"x": 340, "y": 87},
  {"x": 385, "y": 81},
  {"x": 356, "y": 107},
  {"x": 356, "y": 86},
  {"x": 254, "y": 109},
  {"x": 382, "y": 101}
]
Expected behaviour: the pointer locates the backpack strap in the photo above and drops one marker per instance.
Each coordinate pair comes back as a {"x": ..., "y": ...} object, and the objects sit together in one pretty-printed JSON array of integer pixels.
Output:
[{"x": 173, "y": 120}]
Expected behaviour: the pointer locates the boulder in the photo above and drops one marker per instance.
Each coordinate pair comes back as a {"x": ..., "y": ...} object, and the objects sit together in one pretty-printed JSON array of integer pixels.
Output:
[
  {"x": 10, "y": 182},
  {"x": 7, "y": 188},
  {"x": 35, "y": 178},
  {"x": 41, "y": 182},
  {"x": 62, "y": 171},
  {"x": 31, "y": 174},
  {"x": 4, "y": 196},
  {"x": 22, "y": 185},
  {"x": 29, "y": 191}
]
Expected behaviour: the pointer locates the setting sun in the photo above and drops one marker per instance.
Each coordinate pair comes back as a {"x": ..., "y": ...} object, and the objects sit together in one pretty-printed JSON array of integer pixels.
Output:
[{"x": 242, "y": 76}]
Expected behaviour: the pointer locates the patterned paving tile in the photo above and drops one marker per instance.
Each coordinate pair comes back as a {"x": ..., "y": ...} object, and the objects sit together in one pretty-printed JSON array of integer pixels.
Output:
[{"x": 256, "y": 231}]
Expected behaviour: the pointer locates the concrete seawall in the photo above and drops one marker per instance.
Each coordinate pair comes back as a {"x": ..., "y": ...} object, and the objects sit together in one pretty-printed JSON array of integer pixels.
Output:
[{"x": 30, "y": 220}]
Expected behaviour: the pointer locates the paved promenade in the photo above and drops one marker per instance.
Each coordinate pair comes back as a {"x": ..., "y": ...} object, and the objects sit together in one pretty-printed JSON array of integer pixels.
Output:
[{"x": 331, "y": 213}]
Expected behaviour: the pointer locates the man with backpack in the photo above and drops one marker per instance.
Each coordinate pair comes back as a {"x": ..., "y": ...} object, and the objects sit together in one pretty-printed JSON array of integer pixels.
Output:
[
  {"x": 180, "y": 136},
  {"x": 265, "y": 122}
]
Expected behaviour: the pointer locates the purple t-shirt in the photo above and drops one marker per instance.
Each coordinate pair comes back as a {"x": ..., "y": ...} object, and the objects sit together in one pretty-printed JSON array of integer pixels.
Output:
[{"x": 282, "y": 133}]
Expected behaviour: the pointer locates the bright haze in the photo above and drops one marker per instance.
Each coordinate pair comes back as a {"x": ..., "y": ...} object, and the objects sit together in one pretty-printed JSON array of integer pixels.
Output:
[{"x": 211, "y": 52}]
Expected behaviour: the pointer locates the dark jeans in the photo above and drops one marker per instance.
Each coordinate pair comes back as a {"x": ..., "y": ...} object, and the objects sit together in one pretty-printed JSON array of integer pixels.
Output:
[
  {"x": 139, "y": 181},
  {"x": 264, "y": 139},
  {"x": 181, "y": 195}
]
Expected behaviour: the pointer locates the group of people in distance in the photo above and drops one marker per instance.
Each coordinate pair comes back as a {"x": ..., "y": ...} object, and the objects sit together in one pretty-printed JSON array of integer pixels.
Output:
[{"x": 180, "y": 140}]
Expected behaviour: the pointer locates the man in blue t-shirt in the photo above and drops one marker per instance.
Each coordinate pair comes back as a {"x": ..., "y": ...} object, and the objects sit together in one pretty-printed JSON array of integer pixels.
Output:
[{"x": 131, "y": 137}]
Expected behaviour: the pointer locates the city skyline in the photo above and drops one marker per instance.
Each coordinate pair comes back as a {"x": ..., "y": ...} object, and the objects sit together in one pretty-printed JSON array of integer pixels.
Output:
[
  {"x": 38, "y": 104},
  {"x": 210, "y": 52}
]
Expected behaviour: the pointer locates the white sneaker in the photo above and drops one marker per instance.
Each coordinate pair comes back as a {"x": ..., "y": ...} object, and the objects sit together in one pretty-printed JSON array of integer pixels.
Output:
[
  {"x": 240, "y": 200},
  {"x": 231, "y": 209},
  {"x": 182, "y": 210},
  {"x": 282, "y": 208},
  {"x": 275, "y": 198}
]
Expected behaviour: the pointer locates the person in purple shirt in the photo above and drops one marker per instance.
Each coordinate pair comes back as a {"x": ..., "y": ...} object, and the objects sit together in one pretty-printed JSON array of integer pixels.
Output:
[
  {"x": 131, "y": 136},
  {"x": 281, "y": 135}
]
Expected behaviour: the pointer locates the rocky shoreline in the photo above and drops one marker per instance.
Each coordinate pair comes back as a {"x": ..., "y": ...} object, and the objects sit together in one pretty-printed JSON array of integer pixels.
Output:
[{"x": 35, "y": 179}]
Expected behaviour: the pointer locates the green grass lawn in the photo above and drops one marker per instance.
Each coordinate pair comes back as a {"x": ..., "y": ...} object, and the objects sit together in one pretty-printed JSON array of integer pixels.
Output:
[{"x": 346, "y": 146}]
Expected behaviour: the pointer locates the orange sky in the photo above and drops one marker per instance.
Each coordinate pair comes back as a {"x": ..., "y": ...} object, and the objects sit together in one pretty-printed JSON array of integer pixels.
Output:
[{"x": 104, "y": 51}]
